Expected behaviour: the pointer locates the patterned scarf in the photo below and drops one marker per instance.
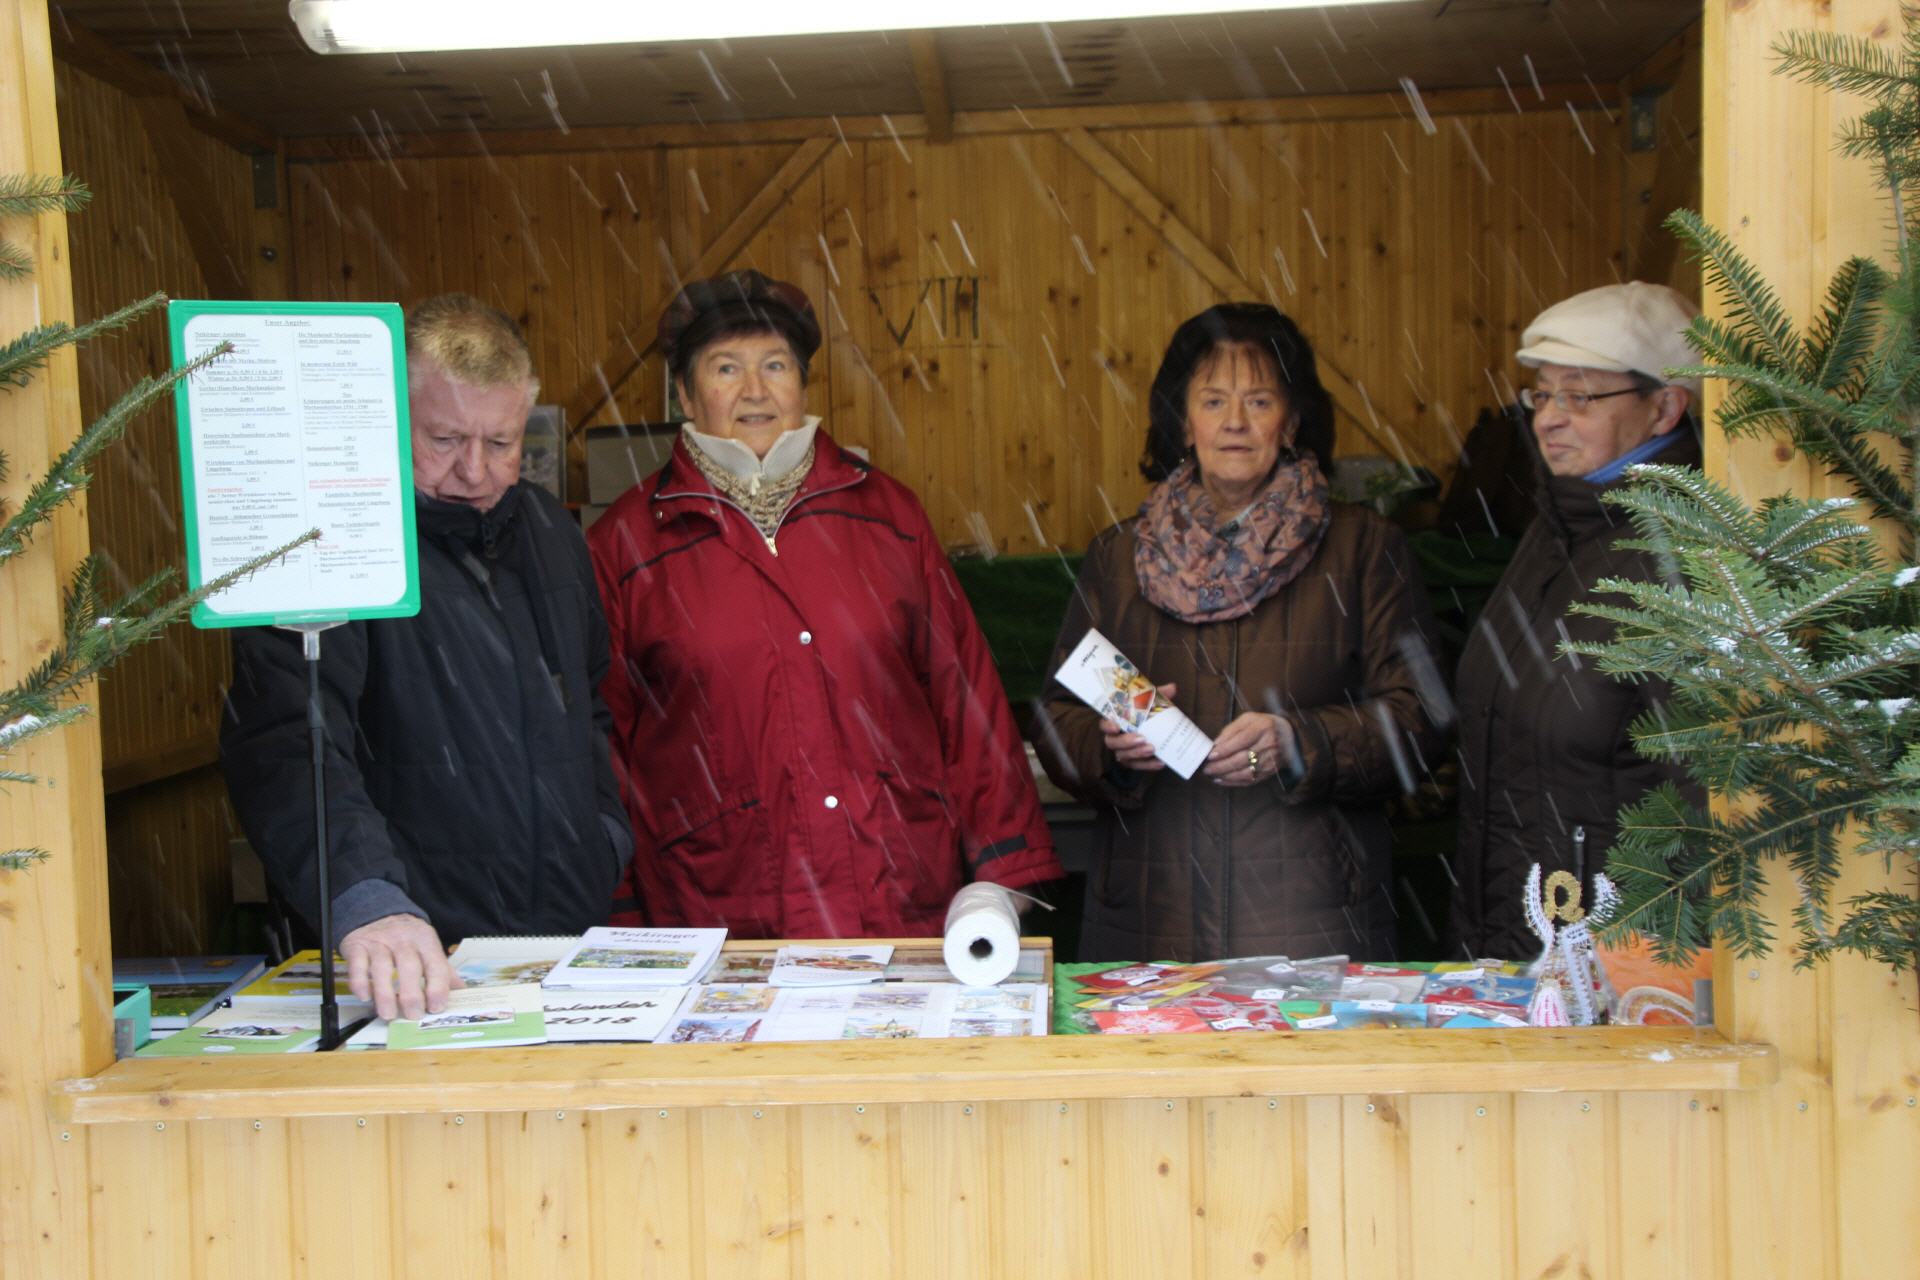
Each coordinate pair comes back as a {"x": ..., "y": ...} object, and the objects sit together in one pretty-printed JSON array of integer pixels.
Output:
[
  {"x": 763, "y": 497},
  {"x": 1201, "y": 567}
]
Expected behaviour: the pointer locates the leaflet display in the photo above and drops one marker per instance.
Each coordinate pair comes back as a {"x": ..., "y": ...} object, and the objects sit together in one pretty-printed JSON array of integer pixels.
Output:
[{"x": 302, "y": 425}]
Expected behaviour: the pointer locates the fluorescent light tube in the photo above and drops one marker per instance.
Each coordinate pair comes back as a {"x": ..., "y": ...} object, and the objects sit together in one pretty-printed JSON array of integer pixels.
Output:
[{"x": 403, "y": 26}]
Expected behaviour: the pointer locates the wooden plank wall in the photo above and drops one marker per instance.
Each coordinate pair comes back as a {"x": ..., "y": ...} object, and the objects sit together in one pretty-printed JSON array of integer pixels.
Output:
[
  {"x": 994, "y": 310},
  {"x": 53, "y": 936},
  {"x": 994, "y": 313},
  {"x": 1478, "y": 1187},
  {"x": 1813, "y": 1178},
  {"x": 1825, "y": 1166},
  {"x": 160, "y": 707}
]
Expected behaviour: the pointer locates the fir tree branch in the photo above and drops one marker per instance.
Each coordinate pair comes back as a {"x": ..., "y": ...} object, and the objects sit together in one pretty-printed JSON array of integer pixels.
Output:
[
  {"x": 26, "y": 354},
  {"x": 15, "y": 263},
  {"x": 21, "y": 859},
  {"x": 18, "y": 725},
  {"x": 25, "y": 195},
  {"x": 97, "y": 634},
  {"x": 68, "y": 475},
  {"x": 1841, "y": 63},
  {"x": 1842, "y": 337},
  {"x": 1750, "y": 300}
]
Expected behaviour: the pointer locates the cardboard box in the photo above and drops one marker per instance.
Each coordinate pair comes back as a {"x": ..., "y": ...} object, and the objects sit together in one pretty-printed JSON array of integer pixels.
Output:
[{"x": 620, "y": 457}]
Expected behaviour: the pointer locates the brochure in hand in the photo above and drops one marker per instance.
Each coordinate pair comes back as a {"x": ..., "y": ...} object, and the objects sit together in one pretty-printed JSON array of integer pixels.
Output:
[
  {"x": 1102, "y": 677},
  {"x": 608, "y": 957}
]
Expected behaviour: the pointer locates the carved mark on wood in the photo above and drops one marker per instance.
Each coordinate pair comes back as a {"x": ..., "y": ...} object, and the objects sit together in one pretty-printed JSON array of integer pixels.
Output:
[{"x": 943, "y": 310}]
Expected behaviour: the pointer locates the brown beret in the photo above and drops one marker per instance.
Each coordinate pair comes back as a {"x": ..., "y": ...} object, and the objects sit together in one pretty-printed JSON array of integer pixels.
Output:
[{"x": 749, "y": 287}]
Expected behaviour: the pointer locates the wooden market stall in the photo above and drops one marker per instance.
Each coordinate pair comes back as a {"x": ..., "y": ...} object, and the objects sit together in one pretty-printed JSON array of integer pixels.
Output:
[{"x": 1781, "y": 1142}]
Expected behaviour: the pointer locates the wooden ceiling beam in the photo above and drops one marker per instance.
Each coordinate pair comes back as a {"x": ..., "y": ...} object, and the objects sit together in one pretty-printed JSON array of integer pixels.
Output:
[
  {"x": 1349, "y": 397},
  {"x": 1677, "y": 57},
  {"x": 624, "y": 356},
  {"x": 85, "y": 50},
  {"x": 1152, "y": 115},
  {"x": 931, "y": 81}
]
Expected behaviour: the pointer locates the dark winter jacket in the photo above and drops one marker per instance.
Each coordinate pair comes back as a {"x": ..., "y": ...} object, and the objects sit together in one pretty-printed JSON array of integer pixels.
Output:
[
  {"x": 814, "y": 740},
  {"x": 1546, "y": 761},
  {"x": 467, "y": 758},
  {"x": 1192, "y": 870}
]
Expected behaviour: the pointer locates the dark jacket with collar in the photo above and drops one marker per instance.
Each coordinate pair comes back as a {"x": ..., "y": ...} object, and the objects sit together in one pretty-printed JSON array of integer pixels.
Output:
[
  {"x": 1546, "y": 759},
  {"x": 814, "y": 739},
  {"x": 467, "y": 760}
]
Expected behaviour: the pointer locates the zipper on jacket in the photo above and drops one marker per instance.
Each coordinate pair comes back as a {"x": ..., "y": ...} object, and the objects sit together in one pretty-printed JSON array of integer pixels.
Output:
[
  {"x": 481, "y": 576},
  {"x": 1226, "y": 876},
  {"x": 764, "y": 537}
]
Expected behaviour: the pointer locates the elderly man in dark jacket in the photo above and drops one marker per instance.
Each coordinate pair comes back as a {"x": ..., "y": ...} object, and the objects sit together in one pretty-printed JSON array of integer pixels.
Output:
[
  {"x": 1547, "y": 761},
  {"x": 469, "y": 782}
]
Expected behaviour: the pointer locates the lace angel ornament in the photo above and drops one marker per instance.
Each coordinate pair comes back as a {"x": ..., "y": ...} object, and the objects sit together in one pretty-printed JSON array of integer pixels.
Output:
[{"x": 1570, "y": 988}]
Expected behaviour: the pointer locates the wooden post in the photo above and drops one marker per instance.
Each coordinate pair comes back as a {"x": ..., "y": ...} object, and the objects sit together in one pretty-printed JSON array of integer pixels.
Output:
[
  {"x": 54, "y": 982},
  {"x": 1821, "y": 1168},
  {"x": 270, "y": 256}
]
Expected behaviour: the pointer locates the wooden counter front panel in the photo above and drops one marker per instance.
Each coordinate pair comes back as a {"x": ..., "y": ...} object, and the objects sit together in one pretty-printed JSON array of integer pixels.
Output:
[{"x": 1477, "y": 1187}]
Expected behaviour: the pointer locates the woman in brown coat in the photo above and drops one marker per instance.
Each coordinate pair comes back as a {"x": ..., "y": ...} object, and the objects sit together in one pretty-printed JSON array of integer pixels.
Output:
[{"x": 1283, "y": 626}]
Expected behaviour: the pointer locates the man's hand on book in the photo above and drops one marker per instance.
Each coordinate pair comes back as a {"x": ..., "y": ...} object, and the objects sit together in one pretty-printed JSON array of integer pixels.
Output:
[{"x": 398, "y": 963}]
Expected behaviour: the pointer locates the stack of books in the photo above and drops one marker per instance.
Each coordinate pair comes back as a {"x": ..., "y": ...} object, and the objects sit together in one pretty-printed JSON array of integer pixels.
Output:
[
  {"x": 185, "y": 990},
  {"x": 276, "y": 1011}
]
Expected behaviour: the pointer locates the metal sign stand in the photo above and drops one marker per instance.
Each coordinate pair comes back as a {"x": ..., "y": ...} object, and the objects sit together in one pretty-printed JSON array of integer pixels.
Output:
[{"x": 331, "y": 1035}]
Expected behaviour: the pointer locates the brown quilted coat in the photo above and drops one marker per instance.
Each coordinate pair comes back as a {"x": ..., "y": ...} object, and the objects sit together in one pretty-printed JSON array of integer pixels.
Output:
[{"x": 1192, "y": 870}]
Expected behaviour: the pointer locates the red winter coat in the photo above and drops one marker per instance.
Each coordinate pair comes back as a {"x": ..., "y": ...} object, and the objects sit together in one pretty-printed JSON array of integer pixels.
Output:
[{"x": 813, "y": 743}]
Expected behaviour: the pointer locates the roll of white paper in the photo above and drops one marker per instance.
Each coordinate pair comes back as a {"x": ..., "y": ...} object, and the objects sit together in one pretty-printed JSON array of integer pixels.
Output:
[{"x": 983, "y": 935}]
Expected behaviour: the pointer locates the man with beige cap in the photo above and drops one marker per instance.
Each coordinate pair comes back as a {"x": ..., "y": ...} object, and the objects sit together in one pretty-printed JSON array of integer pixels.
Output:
[{"x": 1546, "y": 758}]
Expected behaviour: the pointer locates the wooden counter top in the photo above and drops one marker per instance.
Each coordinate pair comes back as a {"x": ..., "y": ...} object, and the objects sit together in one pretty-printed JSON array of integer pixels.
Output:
[{"x": 1263, "y": 1064}]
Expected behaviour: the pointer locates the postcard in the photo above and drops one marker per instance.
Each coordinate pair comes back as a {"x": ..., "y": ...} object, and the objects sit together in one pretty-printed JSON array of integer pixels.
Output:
[
  {"x": 829, "y": 966},
  {"x": 610, "y": 957},
  {"x": 1149, "y": 1022},
  {"x": 477, "y": 1017},
  {"x": 729, "y": 1028},
  {"x": 881, "y": 1026},
  {"x": 733, "y": 998},
  {"x": 507, "y": 961}
]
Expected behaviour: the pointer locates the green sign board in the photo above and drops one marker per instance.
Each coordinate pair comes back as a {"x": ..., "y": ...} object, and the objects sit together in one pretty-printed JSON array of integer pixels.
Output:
[{"x": 302, "y": 425}]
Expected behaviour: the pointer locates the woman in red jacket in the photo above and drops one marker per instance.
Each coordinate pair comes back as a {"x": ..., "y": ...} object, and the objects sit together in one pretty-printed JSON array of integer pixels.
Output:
[{"x": 813, "y": 738}]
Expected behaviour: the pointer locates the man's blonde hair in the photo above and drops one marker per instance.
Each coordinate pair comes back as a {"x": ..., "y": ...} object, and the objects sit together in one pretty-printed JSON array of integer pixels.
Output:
[{"x": 471, "y": 342}]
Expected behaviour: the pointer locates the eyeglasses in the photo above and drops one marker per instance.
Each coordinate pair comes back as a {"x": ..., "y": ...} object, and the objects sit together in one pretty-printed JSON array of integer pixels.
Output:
[{"x": 1567, "y": 401}]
